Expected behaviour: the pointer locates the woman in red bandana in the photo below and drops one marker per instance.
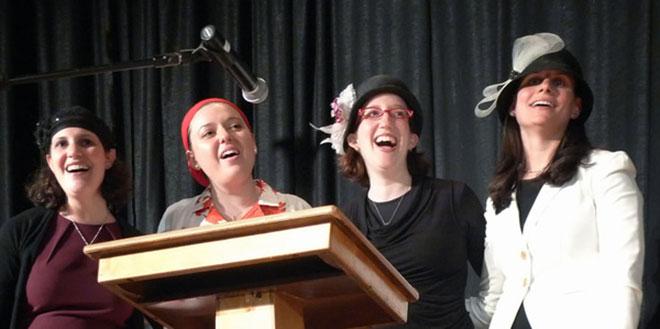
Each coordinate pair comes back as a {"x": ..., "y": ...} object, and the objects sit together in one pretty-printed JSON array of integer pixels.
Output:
[{"x": 221, "y": 151}]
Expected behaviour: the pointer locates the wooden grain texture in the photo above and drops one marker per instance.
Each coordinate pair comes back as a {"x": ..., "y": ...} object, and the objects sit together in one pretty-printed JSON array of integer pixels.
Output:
[{"x": 316, "y": 268}]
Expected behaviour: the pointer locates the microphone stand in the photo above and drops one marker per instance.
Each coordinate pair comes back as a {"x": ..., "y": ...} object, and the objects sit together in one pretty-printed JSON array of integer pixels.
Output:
[{"x": 184, "y": 56}]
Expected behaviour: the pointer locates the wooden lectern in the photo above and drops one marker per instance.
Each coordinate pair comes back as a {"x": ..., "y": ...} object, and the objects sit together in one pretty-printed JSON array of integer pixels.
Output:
[{"x": 305, "y": 269}]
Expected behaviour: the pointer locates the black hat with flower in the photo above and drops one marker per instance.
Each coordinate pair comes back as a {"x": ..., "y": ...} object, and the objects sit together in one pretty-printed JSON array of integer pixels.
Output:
[{"x": 346, "y": 106}]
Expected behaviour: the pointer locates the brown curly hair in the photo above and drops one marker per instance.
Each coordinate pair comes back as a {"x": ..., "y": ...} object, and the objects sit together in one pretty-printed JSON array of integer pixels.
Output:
[{"x": 44, "y": 190}]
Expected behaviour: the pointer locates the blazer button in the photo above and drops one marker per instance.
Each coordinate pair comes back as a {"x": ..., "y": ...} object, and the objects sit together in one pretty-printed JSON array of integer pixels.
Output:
[
  {"x": 523, "y": 255},
  {"x": 525, "y": 282}
]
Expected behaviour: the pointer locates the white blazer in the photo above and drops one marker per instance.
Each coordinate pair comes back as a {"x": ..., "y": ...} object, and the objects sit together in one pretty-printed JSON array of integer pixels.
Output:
[{"x": 578, "y": 262}]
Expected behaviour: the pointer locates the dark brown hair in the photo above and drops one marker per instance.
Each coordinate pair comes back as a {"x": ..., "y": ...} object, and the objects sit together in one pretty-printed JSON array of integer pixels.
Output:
[
  {"x": 44, "y": 190},
  {"x": 574, "y": 147}
]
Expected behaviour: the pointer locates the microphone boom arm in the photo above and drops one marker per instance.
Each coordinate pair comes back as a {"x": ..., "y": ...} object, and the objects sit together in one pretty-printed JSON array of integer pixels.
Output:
[
  {"x": 213, "y": 48},
  {"x": 184, "y": 56},
  {"x": 217, "y": 49}
]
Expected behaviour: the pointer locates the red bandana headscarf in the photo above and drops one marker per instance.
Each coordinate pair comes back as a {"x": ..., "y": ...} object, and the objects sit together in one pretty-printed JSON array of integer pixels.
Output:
[{"x": 198, "y": 174}]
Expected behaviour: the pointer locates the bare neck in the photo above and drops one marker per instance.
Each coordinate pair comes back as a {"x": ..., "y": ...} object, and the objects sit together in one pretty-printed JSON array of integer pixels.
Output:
[
  {"x": 539, "y": 152},
  {"x": 93, "y": 210},
  {"x": 385, "y": 188},
  {"x": 233, "y": 201}
]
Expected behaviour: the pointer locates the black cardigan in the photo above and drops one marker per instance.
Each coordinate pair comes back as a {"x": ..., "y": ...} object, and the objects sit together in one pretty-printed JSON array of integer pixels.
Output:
[{"x": 20, "y": 240}]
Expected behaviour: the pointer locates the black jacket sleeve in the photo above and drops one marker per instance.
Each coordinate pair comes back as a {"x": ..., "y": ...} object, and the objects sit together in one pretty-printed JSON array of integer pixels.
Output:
[{"x": 9, "y": 269}]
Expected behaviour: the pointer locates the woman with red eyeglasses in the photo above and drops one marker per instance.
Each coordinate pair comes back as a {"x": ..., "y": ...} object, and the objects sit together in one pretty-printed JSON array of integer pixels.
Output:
[{"x": 428, "y": 228}]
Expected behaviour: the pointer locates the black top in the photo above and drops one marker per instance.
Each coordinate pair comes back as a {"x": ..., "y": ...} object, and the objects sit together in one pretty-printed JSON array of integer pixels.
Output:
[
  {"x": 437, "y": 229},
  {"x": 526, "y": 194},
  {"x": 21, "y": 240}
]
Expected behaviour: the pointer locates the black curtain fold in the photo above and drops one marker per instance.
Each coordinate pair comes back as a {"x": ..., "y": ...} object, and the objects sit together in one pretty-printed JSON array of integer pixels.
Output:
[{"x": 308, "y": 51}]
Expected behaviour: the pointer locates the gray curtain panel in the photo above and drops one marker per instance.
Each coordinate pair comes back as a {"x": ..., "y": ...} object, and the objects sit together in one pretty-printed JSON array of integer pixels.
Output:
[{"x": 308, "y": 51}]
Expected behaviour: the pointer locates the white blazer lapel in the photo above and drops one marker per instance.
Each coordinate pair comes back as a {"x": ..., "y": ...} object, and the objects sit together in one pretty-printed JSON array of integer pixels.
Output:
[{"x": 543, "y": 200}]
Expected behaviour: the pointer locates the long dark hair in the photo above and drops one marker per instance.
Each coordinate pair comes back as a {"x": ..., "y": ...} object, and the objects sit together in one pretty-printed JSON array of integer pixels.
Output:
[
  {"x": 44, "y": 190},
  {"x": 574, "y": 147}
]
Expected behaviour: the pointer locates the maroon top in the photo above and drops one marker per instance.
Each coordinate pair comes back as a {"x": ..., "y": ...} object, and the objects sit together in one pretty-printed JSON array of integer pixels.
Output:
[{"x": 62, "y": 291}]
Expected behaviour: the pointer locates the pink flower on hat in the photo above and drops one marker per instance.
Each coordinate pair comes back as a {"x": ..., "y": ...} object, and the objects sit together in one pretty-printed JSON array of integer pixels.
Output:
[{"x": 341, "y": 110}]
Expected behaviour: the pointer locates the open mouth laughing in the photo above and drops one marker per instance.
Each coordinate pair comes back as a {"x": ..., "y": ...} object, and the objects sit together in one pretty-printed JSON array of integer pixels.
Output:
[
  {"x": 76, "y": 168},
  {"x": 542, "y": 103},
  {"x": 385, "y": 141},
  {"x": 229, "y": 153}
]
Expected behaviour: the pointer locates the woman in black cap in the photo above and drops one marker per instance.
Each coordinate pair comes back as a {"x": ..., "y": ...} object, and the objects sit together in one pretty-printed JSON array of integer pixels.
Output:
[
  {"x": 427, "y": 228},
  {"x": 564, "y": 241},
  {"x": 46, "y": 281}
]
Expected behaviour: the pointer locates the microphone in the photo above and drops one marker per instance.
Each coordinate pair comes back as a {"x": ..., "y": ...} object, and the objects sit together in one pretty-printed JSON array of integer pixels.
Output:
[{"x": 255, "y": 90}]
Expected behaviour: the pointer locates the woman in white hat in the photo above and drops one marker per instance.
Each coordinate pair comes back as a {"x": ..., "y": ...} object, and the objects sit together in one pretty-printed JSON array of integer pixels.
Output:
[
  {"x": 564, "y": 240},
  {"x": 428, "y": 228}
]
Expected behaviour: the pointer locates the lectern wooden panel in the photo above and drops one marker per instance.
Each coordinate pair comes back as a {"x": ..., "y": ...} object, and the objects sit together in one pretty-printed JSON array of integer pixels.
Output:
[{"x": 313, "y": 266}]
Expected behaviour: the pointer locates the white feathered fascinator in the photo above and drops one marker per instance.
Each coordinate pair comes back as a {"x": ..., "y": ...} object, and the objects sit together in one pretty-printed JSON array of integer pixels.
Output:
[{"x": 340, "y": 110}]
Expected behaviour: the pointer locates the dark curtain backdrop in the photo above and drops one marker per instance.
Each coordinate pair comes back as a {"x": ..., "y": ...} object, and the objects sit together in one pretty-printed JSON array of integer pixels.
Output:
[{"x": 447, "y": 51}]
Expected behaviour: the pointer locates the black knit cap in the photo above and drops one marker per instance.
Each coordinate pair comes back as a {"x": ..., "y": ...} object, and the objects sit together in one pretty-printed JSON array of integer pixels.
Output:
[
  {"x": 379, "y": 84},
  {"x": 562, "y": 61},
  {"x": 76, "y": 116}
]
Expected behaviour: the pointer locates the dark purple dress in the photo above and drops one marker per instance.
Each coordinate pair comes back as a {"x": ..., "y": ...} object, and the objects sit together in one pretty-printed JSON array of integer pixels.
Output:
[{"x": 62, "y": 291}]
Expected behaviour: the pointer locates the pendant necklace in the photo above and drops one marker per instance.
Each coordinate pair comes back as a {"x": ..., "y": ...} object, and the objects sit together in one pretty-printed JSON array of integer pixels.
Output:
[
  {"x": 380, "y": 216},
  {"x": 98, "y": 232},
  {"x": 83, "y": 237}
]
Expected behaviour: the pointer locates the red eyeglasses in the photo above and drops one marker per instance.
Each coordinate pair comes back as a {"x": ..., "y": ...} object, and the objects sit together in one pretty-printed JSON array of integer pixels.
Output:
[{"x": 374, "y": 113}]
